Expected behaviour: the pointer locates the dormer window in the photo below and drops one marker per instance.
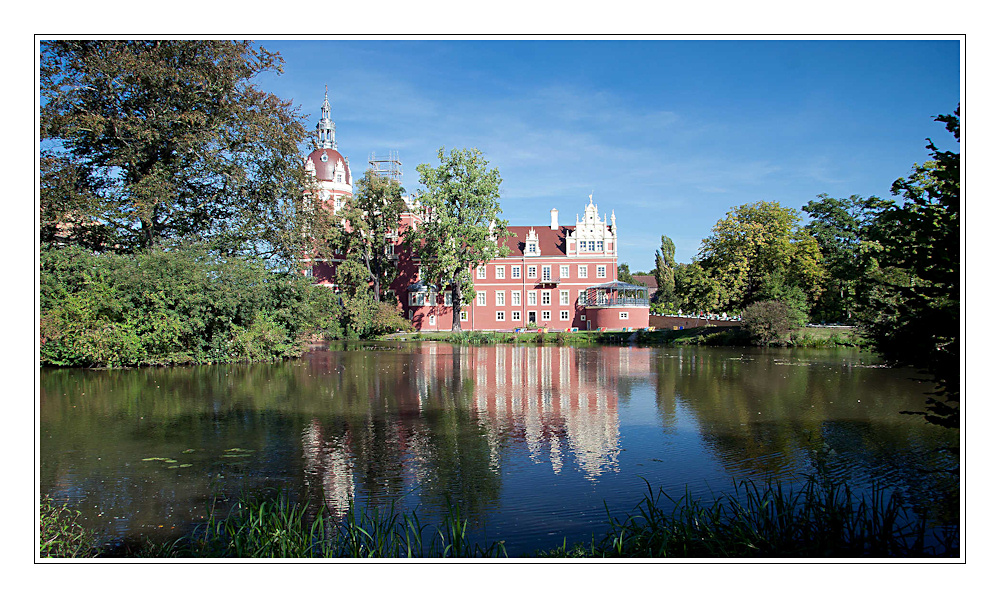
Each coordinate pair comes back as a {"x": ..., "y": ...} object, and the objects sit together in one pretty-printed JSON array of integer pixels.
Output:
[
  {"x": 340, "y": 178},
  {"x": 532, "y": 247}
]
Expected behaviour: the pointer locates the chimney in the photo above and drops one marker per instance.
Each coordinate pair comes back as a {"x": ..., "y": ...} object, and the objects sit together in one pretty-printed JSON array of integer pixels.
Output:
[{"x": 555, "y": 219}]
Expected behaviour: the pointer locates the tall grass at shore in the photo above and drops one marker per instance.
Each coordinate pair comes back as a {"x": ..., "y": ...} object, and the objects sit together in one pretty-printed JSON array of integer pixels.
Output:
[{"x": 816, "y": 520}]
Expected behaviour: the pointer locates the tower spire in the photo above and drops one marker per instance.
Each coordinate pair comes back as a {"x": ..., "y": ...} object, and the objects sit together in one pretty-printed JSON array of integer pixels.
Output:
[{"x": 326, "y": 130}]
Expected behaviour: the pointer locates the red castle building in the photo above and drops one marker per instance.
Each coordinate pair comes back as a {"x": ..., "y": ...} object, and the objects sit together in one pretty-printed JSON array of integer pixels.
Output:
[{"x": 553, "y": 276}]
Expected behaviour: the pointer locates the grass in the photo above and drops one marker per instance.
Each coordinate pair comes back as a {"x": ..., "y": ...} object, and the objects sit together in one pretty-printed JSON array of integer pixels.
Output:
[
  {"x": 60, "y": 533},
  {"x": 262, "y": 527},
  {"x": 716, "y": 336},
  {"x": 817, "y": 520}
]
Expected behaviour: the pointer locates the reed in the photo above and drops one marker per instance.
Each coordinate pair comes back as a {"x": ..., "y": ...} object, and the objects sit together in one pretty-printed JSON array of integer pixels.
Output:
[
  {"x": 60, "y": 533},
  {"x": 815, "y": 520}
]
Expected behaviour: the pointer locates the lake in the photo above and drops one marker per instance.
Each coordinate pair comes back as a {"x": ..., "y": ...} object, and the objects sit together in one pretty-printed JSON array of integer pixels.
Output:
[{"x": 533, "y": 443}]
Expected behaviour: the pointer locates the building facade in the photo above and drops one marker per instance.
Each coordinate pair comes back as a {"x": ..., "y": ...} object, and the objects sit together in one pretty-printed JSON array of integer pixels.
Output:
[{"x": 542, "y": 282}]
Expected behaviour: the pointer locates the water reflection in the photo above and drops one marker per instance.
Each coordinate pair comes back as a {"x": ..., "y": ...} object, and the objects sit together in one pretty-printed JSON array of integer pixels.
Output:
[{"x": 527, "y": 440}]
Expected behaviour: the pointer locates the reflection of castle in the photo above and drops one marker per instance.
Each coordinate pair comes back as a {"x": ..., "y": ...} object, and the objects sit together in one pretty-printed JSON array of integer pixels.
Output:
[
  {"x": 562, "y": 402},
  {"x": 328, "y": 460}
]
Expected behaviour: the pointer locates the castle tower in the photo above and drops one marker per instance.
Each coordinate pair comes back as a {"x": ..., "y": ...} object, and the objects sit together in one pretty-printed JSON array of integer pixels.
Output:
[{"x": 330, "y": 168}]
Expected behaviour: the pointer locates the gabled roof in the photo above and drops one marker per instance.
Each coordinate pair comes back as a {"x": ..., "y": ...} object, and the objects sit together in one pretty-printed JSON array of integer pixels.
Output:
[
  {"x": 550, "y": 242},
  {"x": 649, "y": 281}
]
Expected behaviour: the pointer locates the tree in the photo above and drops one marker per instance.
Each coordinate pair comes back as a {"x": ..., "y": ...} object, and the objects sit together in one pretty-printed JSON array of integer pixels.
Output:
[
  {"x": 371, "y": 214},
  {"x": 664, "y": 272},
  {"x": 462, "y": 228},
  {"x": 844, "y": 229},
  {"x": 915, "y": 303},
  {"x": 760, "y": 252},
  {"x": 173, "y": 139},
  {"x": 695, "y": 289},
  {"x": 624, "y": 275}
]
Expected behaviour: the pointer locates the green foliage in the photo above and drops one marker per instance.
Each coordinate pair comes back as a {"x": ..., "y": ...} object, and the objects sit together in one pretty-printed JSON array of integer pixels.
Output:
[
  {"x": 462, "y": 227},
  {"x": 695, "y": 289},
  {"x": 184, "y": 304},
  {"x": 844, "y": 230},
  {"x": 768, "y": 322},
  {"x": 624, "y": 275},
  {"x": 664, "y": 273},
  {"x": 915, "y": 296},
  {"x": 149, "y": 140},
  {"x": 60, "y": 534},
  {"x": 759, "y": 252},
  {"x": 371, "y": 213}
]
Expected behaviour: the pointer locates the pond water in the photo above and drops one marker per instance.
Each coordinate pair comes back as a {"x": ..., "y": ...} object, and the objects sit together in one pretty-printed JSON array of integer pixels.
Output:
[{"x": 533, "y": 443}]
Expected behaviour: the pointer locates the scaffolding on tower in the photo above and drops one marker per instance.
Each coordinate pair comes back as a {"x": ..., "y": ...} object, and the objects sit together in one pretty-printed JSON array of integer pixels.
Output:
[{"x": 387, "y": 166}]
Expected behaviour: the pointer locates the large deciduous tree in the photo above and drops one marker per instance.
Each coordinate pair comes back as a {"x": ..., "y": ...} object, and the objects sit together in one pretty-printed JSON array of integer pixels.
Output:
[
  {"x": 462, "y": 228},
  {"x": 760, "y": 252},
  {"x": 173, "y": 139},
  {"x": 844, "y": 229},
  {"x": 915, "y": 303},
  {"x": 371, "y": 215}
]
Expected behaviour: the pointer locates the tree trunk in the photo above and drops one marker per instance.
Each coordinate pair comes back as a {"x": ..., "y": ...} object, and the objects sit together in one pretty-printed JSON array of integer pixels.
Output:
[{"x": 456, "y": 306}]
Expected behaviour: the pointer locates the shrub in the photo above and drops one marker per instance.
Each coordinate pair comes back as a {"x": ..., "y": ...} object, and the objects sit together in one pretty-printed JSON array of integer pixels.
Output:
[
  {"x": 181, "y": 304},
  {"x": 767, "y": 322}
]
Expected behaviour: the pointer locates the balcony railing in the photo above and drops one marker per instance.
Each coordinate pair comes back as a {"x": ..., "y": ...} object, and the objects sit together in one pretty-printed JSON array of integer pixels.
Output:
[{"x": 615, "y": 294}]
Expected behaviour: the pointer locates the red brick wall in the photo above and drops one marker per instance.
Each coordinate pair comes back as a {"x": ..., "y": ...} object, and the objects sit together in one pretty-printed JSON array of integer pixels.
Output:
[{"x": 668, "y": 322}]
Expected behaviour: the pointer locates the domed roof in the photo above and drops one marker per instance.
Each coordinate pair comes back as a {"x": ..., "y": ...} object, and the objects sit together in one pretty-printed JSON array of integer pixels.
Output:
[{"x": 325, "y": 168}]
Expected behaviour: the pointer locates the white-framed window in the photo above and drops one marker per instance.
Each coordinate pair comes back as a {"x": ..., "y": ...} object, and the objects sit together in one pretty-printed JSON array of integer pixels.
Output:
[
  {"x": 564, "y": 314},
  {"x": 515, "y": 297},
  {"x": 532, "y": 297},
  {"x": 581, "y": 297},
  {"x": 600, "y": 245},
  {"x": 563, "y": 297},
  {"x": 623, "y": 315},
  {"x": 581, "y": 271},
  {"x": 500, "y": 316},
  {"x": 602, "y": 271},
  {"x": 501, "y": 298},
  {"x": 447, "y": 298},
  {"x": 531, "y": 248},
  {"x": 480, "y": 297},
  {"x": 546, "y": 297},
  {"x": 546, "y": 316},
  {"x": 481, "y": 272},
  {"x": 515, "y": 271},
  {"x": 546, "y": 273},
  {"x": 419, "y": 299},
  {"x": 532, "y": 271},
  {"x": 564, "y": 272},
  {"x": 501, "y": 271},
  {"x": 515, "y": 316},
  {"x": 464, "y": 317},
  {"x": 591, "y": 246},
  {"x": 583, "y": 317},
  {"x": 432, "y": 319}
]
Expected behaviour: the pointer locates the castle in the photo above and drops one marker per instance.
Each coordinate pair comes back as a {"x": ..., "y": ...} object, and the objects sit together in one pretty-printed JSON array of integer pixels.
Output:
[{"x": 553, "y": 276}]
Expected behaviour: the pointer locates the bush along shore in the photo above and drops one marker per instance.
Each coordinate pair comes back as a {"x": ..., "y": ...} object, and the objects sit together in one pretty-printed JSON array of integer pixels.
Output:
[
  {"x": 817, "y": 520},
  {"x": 806, "y": 337},
  {"x": 186, "y": 304}
]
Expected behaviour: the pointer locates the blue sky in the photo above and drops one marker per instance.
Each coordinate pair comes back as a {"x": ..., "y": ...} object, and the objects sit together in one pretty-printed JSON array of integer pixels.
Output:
[{"x": 668, "y": 134}]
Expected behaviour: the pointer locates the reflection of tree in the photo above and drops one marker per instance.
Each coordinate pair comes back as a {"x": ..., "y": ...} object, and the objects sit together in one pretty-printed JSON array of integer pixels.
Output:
[{"x": 762, "y": 411}]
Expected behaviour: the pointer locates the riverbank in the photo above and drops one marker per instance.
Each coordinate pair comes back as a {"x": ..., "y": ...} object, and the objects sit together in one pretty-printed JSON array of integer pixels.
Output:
[
  {"x": 708, "y": 335},
  {"x": 818, "y": 520}
]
